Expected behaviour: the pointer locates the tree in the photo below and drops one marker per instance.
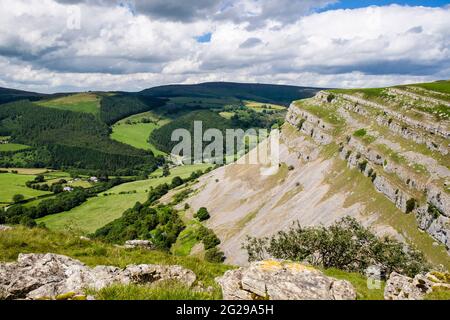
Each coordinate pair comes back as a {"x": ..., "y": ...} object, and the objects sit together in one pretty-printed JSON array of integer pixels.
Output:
[
  {"x": 56, "y": 188},
  {"x": 202, "y": 214},
  {"x": 214, "y": 255},
  {"x": 166, "y": 171},
  {"x": 346, "y": 245},
  {"x": 18, "y": 198},
  {"x": 177, "y": 181}
]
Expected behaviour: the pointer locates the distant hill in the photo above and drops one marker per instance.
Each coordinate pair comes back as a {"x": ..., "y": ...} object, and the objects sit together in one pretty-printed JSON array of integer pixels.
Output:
[
  {"x": 73, "y": 130},
  {"x": 9, "y": 95},
  {"x": 279, "y": 94}
]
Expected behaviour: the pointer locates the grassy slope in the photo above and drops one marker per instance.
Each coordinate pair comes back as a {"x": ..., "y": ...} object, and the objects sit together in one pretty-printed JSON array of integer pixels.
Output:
[
  {"x": 438, "y": 86},
  {"x": 137, "y": 133},
  {"x": 98, "y": 211},
  {"x": 11, "y": 184},
  {"x": 12, "y": 147},
  {"x": 92, "y": 253},
  {"x": 80, "y": 102}
]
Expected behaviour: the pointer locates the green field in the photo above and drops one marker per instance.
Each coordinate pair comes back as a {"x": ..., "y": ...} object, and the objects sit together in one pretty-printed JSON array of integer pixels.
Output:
[
  {"x": 260, "y": 107},
  {"x": 98, "y": 211},
  {"x": 134, "y": 132},
  {"x": 80, "y": 102},
  {"x": 11, "y": 184},
  {"x": 12, "y": 147}
]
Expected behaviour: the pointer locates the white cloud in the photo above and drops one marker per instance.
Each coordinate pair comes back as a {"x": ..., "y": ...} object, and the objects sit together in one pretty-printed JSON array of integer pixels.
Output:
[{"x": 117, "y": 49}]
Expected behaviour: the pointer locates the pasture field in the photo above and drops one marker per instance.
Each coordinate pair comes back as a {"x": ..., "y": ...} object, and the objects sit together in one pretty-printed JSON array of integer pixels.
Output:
[
  {"x": 98, "y": 211},
  {"x": 93, "y": 214},
  {"x": 157, "y": 179},
  {"x": 80, "y": 102},
  {"x": 134, "y": 132},
  {"x": 12, "y": 184},
  {"x": 260, "y": 106},
  {"x": 25, "y": 171},
  {"x": 226, "y": 114},
  {"x": 12, "y": 147}
]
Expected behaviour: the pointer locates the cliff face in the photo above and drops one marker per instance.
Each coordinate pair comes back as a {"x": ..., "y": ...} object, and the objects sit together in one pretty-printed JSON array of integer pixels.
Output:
[{"x": 382, "y": 157}]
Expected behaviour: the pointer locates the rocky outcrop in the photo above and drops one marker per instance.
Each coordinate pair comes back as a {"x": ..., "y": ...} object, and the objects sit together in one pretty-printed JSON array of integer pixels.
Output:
[
  {"x": 400, "y": 287},
  {"x": 139, "y": 244},
  {"x": 439, "y": 199},
  {"x": 5, "y": 228},
  {"x": 277, "y": 280},
  {"x": 40, "y": 276},
  {"x": 431, "y": 128},
  {"x": 418, "y": 97},
  {"x": 310, "y": 125},
  {"x": 408, "y": 133},
  {"x": 436, "y": 224}
]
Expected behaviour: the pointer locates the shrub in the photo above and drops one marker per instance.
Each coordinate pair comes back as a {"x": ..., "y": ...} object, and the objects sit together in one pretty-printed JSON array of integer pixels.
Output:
[
  {"x": 18, "y": 198},
  {"x": 410, "y": 205},
  {"x": 362, "y": 165},
  {"x": 214, "y": 255},
  {"x": 360, "y": 133},
  {"x": 300, "y": 124},
  {"x": 435, "y": 212},
  {"x": 202, "y": 214},
  {"x": 210, "y": 241},
  {"x": 346, "y": 245},
  {"x": 208, "y": 237},
  {"x": 330, "y": 98},
  {"x": 176, "y": 182}
]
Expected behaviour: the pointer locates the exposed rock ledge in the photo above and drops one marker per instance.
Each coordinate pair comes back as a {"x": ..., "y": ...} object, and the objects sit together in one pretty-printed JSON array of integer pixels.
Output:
[
  {"x": 276, "y": 280},
  {"x": 5, "y": 228},
  {"x": 400, "y": 287},
  {"x": 48, "y": 276}
]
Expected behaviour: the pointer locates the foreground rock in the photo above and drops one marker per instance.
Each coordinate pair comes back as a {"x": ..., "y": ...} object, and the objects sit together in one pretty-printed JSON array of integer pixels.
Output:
[
  {"x": 399, "y": 287},
  {"x": 139, "y": 244},
  {"x": 276, "y": 280},
  {"x": 39, "y": 276},
  {"x": 5, "y": 228}
]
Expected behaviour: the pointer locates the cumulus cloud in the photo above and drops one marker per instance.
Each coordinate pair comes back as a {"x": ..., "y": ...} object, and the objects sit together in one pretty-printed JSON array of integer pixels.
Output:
[{"x": 133, "y": 45}]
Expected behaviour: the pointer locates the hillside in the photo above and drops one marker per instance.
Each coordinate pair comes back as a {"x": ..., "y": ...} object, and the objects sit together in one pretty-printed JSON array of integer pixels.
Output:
[
  {"x": 258, "y": 92},
  {"x": 379, "y": 155},
  {"x": 10, "y": 95}
]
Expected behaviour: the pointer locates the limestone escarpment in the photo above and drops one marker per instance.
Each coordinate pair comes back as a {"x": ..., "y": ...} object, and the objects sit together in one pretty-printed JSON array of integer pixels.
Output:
[{"x": 341, "y": 155}]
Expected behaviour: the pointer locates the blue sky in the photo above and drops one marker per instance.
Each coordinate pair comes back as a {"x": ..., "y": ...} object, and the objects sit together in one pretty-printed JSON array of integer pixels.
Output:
[{"x": 351, "y": 4}]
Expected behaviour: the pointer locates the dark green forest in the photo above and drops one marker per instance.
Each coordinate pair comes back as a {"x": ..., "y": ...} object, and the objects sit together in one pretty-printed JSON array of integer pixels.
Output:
[
  {"x": 116, "y": 107},
  {"x": 278, "y": 94},
  {"x": 68, "y": 139}
]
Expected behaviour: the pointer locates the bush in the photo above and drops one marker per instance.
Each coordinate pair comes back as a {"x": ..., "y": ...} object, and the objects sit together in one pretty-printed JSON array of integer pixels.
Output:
[
  {"x": 410, "y": 205},
  {"x": 176, "y": 182},
  {"x": 208, "y": 237},
  {"x": 202, "y": 214},
  {"x": 210, "y": 241},
  {"x": 214, "y": 255},
  {"x": 346, "y": 245},
  {"x": 360, "y": 133},
  {"x": 18, "y": 198}
]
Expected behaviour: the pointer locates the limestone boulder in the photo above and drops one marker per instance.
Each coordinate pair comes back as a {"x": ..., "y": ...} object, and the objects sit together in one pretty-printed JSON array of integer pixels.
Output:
[
  {"x": 278, "y": 280},
  {"x": 38, "y": 276}
]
